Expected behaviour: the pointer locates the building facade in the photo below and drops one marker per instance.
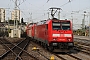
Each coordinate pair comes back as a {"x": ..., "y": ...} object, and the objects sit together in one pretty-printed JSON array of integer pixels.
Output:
[
  {"x": 15, "y": 15},
  {"x": 2, "y": 15}
]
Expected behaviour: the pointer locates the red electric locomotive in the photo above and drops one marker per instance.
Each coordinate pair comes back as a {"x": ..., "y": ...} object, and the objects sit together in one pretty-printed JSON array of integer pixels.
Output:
[
  {"x": 30, "y": 30},
  {"x": 52, "y": 33}
]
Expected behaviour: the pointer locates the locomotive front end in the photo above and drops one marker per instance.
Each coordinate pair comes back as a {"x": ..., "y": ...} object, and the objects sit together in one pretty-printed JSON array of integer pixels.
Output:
[{"x": 62, "y": 34}]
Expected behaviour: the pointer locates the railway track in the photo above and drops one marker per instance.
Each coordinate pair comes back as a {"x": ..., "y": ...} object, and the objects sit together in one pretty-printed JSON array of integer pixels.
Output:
[
  {"x": 15, "y": 51},
  {"x": 83, "y": 49},
  {"x": 74, "y": 55},
  {"x": 82, "y": 42},
  {"x": 83, "y": 46},
  {"x": 68, "y": 56},
  {"x": 19, "y": 53}
]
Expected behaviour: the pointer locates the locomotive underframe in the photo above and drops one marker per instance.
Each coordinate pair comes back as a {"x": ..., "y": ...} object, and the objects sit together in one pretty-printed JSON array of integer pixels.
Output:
[
  {"x": 62, "y": 45},
  {"x": 57, "y": 45}
]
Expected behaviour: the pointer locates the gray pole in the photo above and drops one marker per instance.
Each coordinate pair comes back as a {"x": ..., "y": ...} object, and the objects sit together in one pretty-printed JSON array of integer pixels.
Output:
[
  {"x": 8, "y": 23},
  {"x": 89, "y": 24},
  {"x": 83, "y": 22},
  {"x": 15, "y": 20},
  {"x": 16, "y": 12},
  {"x": 72, "y": 19}
]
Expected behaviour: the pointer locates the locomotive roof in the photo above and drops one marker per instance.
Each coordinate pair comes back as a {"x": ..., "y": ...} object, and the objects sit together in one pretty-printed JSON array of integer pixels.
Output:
[
  {"x": 42, "y": 22},
  {"x": 47, "y": 21}
]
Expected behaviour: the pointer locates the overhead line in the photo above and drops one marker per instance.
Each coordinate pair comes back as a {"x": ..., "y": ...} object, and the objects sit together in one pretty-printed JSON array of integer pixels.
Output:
[
  {"x": 66, "y": 3},
  {"x": 47, "y": 1},
  {"x": 22, "y": 2}
]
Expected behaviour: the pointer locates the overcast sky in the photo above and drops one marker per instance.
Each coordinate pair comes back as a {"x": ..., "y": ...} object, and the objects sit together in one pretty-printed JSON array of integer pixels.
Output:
[{"x": 71, "y": 9}]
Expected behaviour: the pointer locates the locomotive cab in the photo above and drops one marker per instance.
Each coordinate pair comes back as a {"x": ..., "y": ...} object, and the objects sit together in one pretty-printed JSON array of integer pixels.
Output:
[{"x": 60, "y": 34}]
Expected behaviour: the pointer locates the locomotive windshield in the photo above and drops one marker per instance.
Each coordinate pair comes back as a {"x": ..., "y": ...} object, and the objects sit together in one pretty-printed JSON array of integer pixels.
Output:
[
  {"x": 56, "y": 25},
  {"x": 61, "y": 25},
  {"x": 65, "y": 25}
]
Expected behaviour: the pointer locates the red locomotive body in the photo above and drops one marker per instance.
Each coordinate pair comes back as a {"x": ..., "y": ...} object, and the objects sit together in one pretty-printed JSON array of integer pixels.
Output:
[
  {"x": 53, "y": 33},
  {"x": 30, "y": 30}
]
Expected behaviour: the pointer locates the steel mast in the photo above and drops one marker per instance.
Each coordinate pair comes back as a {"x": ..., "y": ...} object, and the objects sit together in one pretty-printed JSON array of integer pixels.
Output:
[{"x": 15, "y": 21}]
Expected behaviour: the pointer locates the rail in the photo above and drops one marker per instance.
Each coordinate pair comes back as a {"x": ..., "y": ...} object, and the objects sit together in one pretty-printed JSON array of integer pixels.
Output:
[{"x": 21, "y": 45}]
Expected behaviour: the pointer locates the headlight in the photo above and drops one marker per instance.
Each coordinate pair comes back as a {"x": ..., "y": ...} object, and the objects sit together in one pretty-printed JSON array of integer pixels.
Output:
[
  {"x": 54, "y": 44},
  {"x": 70, "y": 44}
]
